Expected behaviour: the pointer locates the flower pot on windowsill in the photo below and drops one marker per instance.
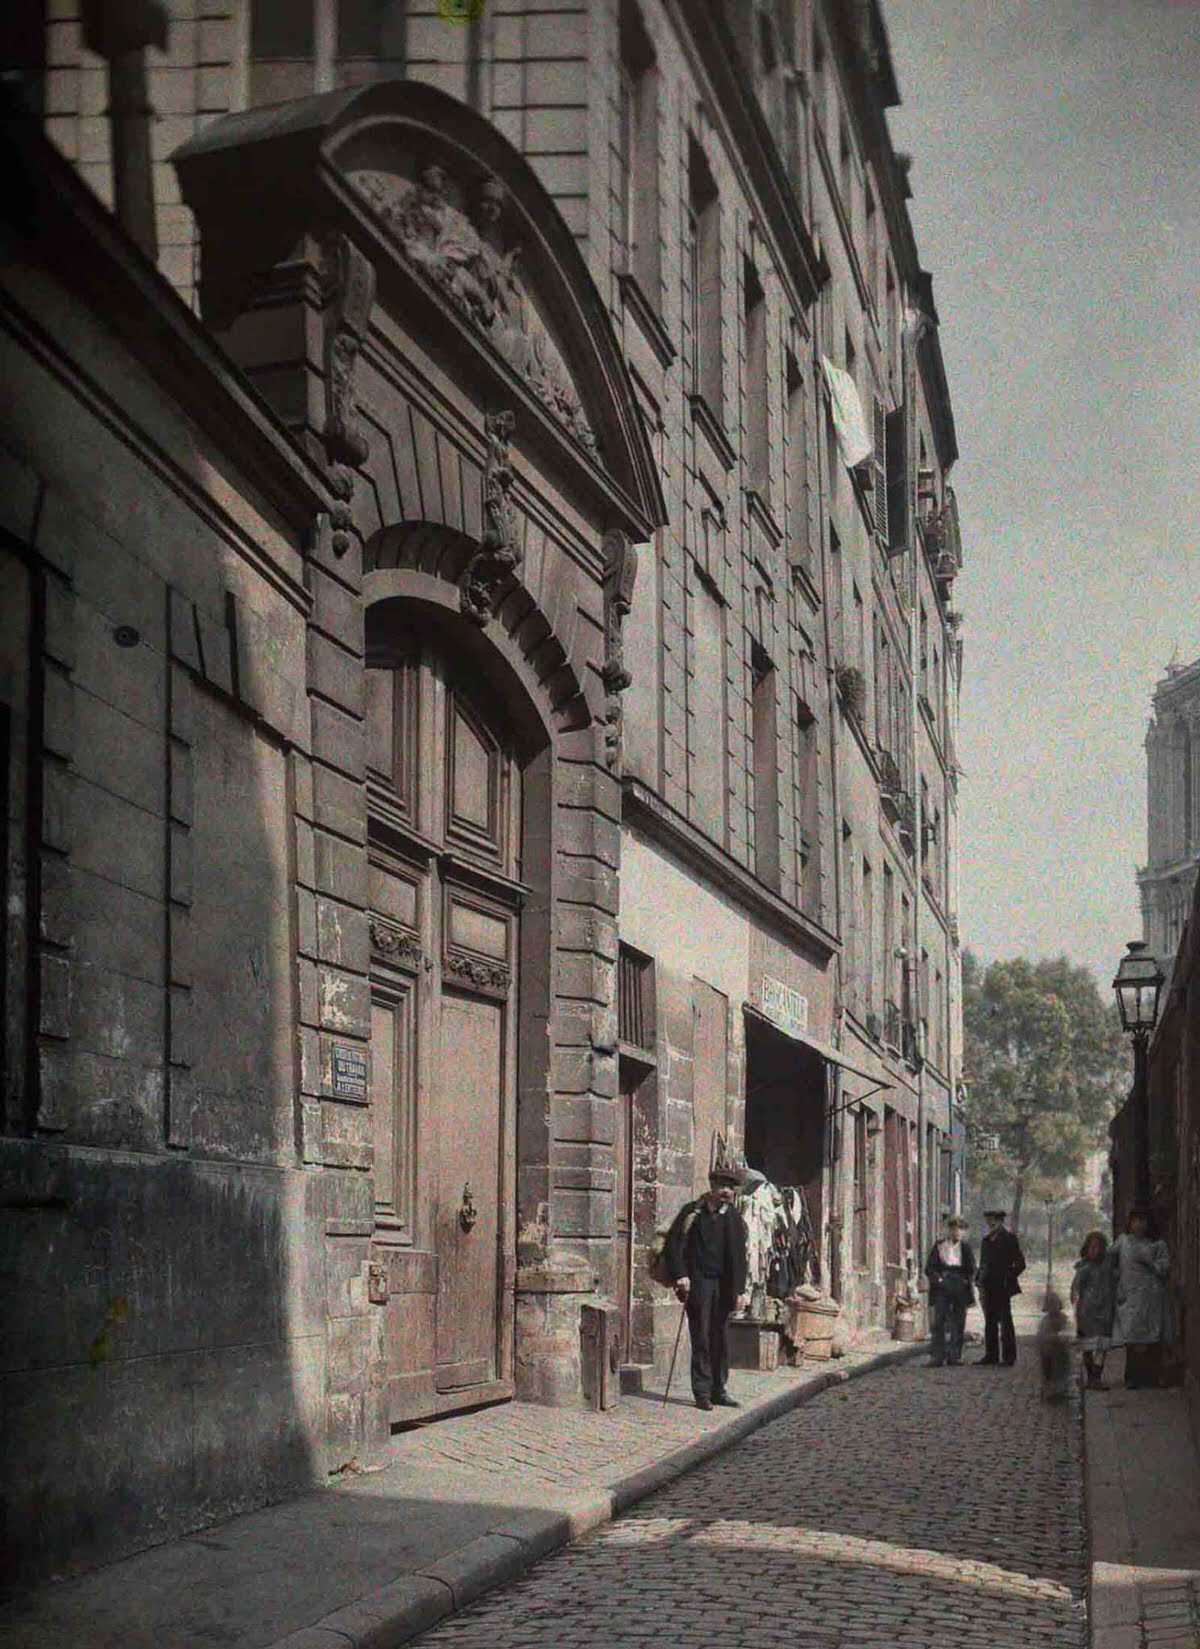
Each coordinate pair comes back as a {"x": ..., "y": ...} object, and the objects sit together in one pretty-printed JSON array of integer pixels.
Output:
[{"x": 852, "y": 689}]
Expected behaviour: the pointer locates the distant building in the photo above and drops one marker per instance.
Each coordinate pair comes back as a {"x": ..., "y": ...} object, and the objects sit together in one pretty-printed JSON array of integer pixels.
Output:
[{"x": 1166, "y": 880}]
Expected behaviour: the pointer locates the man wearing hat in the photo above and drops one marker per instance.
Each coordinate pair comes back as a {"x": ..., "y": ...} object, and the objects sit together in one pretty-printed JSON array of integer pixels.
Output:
[
  {"x": 951, "y": 1272},
  {"x": 706, "y": 1255},
  {"x": 1001, "y": 1262}
]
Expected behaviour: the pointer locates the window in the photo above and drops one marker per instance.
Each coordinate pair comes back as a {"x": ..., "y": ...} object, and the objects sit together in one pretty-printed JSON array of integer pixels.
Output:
[
  {"x": 282, "y": 50},
  {"x": 711, "y": 549},
  {"x": 859, "y": 638},
  {"x": 765, "y": 762},
  {"x": 879, "y": 473},
  {"x": 703, "y": 270},
  {"x": 820, "y": 65},
  {"x": 373, "y": 33},
  {"x": 937, "y": 1017},
  {"x": 872, "y": 244},
  {"x": 807, "y": 814},
  {"x": 868, "y": 937},
  {"x": 769, "y": 73},
  {"x": 799, "y": 545},
  {"x": 846, "y": 171},
  {"x": 850, "y": 916},
  {"x": 861, "y": 1203},
  {"x": 636, "y": 159},
  {"x": 891, "y": 1012},
  {"x": 281, "y": 29},
  {"x": 935, "y": 697},
  {"x": 892, "y": 305},
  {"x": 924, "y": 655},
  {"x": 755, "y": 324},
  {"x": 635, "y": 998},
  {"x": 895, "y": 460},
  {"x": 706, "y": 732},
  {"x": 834, "y": 592}
]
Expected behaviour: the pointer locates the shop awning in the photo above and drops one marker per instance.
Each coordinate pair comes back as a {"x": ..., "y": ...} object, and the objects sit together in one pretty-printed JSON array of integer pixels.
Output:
[{"x": 831, "y": 1055}]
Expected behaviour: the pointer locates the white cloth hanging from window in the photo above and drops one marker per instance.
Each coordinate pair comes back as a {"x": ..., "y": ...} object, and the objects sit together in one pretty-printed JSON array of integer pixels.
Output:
[{"x": 854, "y": 438}]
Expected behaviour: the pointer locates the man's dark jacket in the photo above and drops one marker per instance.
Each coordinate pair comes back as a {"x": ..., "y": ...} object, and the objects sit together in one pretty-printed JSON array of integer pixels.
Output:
[
  {"x": 1001, "y": 1262},
  {"x": 733, "y": 1268}
]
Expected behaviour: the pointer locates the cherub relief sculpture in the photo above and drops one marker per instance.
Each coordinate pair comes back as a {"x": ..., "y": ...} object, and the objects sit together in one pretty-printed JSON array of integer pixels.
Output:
[{"x": 462, "y": 253}]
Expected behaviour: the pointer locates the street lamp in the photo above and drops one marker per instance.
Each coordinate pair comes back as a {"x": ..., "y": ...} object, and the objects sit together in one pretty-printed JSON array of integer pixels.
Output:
[{"x": 1138, "y": 985}]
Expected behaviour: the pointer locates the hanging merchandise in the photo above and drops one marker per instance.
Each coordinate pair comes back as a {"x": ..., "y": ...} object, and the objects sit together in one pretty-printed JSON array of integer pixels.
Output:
[{"x": 781, "y": 1250}]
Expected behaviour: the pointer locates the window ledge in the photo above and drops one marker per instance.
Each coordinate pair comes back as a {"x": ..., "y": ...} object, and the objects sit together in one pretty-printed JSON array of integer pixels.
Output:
[
  {"x": 703, "y": 414},
  {"x": 762, "y": 512},
  {"x": 802, "y": 577},
  {"x": 647, "y": 317}
]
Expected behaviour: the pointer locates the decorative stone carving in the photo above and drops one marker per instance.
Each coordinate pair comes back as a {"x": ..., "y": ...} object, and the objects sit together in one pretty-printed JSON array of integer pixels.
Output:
[
  {"x": 461, "y": 252},
  {"x": 397, "y": 946},
  {"x": 620, "y": 576},
  {"x": 499, "y": 554},
  {"x": 349, "y": 287},
  {"x": 487, "y": 976}
]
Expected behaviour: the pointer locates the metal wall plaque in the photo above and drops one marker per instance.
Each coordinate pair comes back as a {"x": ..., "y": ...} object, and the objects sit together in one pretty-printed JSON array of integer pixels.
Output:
[
  {"x": 348, "y": 1071},
  {"x": 784, "y": 1006}
]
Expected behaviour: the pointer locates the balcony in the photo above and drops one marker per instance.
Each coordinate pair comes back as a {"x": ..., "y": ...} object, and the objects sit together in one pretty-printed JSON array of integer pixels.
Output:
[
  {"x": 945, "y": 541},
  {"x": 891, "y": 784},
  {"x": 910, "y": 1043},
  {"x": 906, "y": 824}
]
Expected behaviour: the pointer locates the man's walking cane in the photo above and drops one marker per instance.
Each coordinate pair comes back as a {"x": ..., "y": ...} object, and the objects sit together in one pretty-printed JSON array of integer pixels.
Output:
[{"x": 675, "y": 1353}]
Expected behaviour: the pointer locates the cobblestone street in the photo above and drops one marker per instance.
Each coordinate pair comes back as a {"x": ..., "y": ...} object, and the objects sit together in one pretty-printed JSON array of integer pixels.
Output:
[{"x": 916, "y": 1507}]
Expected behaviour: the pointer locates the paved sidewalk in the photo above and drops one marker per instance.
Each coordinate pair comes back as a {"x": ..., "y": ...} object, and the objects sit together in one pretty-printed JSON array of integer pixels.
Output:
[
  {"x": 464, "y": 1505},
  {"x": 1143, "y": 1480}
]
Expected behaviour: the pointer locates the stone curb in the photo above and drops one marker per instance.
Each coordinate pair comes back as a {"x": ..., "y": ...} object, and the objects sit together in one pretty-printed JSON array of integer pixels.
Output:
[{"x": 397, "y": 1613}]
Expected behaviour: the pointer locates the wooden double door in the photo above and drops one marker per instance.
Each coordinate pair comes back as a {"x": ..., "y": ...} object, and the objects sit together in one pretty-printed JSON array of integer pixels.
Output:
[{"x": 444, "y": 787}]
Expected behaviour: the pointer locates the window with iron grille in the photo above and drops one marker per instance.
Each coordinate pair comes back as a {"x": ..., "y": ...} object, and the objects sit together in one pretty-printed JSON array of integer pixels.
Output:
[{"x": 635, "y": 998}]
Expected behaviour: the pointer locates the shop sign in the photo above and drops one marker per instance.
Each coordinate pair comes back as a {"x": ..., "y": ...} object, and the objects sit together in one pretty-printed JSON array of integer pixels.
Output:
[{"x": 784, "y": 1006}]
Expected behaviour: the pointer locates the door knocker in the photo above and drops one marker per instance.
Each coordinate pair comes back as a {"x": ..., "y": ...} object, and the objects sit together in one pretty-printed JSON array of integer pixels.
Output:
[{"x": 467, "y": 1213}]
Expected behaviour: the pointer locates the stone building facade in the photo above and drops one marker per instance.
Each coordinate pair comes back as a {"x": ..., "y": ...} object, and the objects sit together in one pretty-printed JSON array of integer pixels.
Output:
[
  {"x": 1167, "y": 879},
  {"x": 480, "y": 697}
]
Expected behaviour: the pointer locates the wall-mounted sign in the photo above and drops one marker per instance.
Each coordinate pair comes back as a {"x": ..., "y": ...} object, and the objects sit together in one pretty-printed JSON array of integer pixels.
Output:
[
  {"x": 784, "y": 1006},
  {"x": 348, "y": 1071}
]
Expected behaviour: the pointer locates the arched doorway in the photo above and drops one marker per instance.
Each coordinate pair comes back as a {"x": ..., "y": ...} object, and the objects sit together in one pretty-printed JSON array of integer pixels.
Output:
[{"x": 446, "y": 792}]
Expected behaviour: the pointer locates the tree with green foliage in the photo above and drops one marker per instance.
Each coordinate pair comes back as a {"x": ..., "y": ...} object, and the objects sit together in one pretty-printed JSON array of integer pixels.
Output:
[{"x": 1046, "y": 1067}]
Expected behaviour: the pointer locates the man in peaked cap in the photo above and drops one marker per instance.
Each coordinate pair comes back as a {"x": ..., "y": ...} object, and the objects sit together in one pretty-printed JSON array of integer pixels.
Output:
[
  {"x": 1001, "y": 1262},
  {"x": 706, "y": 1255}
]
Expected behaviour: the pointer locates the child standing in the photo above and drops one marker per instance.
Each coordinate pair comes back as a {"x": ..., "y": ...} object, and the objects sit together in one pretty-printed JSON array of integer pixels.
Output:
[
  {"x": 1054, "y": 1348},
  {"x": 1092, "y": 1297}
]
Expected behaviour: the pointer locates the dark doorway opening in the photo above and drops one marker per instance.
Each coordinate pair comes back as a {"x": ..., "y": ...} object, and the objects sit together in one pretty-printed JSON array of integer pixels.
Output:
[{"x": 785, "y": 1113}]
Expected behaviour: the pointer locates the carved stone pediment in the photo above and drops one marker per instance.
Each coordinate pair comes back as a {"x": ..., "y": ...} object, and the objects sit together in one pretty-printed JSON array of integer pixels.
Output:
[{"x": 451, "y": 231}]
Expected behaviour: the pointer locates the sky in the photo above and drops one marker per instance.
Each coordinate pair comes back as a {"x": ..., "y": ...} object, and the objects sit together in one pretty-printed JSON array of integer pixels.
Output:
[{"x": 1056, "y": 182}]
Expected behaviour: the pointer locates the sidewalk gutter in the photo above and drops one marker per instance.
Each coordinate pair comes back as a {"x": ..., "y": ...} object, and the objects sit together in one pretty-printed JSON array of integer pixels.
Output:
[{"x": 397, "y": 1613}]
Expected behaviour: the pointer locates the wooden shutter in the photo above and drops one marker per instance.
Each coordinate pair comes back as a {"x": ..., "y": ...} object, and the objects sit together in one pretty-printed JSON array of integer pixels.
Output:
[
  {"x": 881, "y": 472},
  {"x": 897, "y": 491}
]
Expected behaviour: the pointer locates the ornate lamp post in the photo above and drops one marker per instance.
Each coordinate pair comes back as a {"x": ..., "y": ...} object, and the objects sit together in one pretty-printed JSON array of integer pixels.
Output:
[{"x": 1138, "y": 985}]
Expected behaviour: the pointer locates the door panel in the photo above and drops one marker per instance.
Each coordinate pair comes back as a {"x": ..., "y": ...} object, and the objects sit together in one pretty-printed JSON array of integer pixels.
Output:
[
  {"x": 444, "y": 792},
  {"x": 623, "y": 1214},
  {"x": 470, "y": 1106}
]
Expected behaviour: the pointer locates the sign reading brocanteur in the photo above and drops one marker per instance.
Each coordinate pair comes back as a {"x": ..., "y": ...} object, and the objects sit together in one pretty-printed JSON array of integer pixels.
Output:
[{"x": 784, "y": 1006}]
